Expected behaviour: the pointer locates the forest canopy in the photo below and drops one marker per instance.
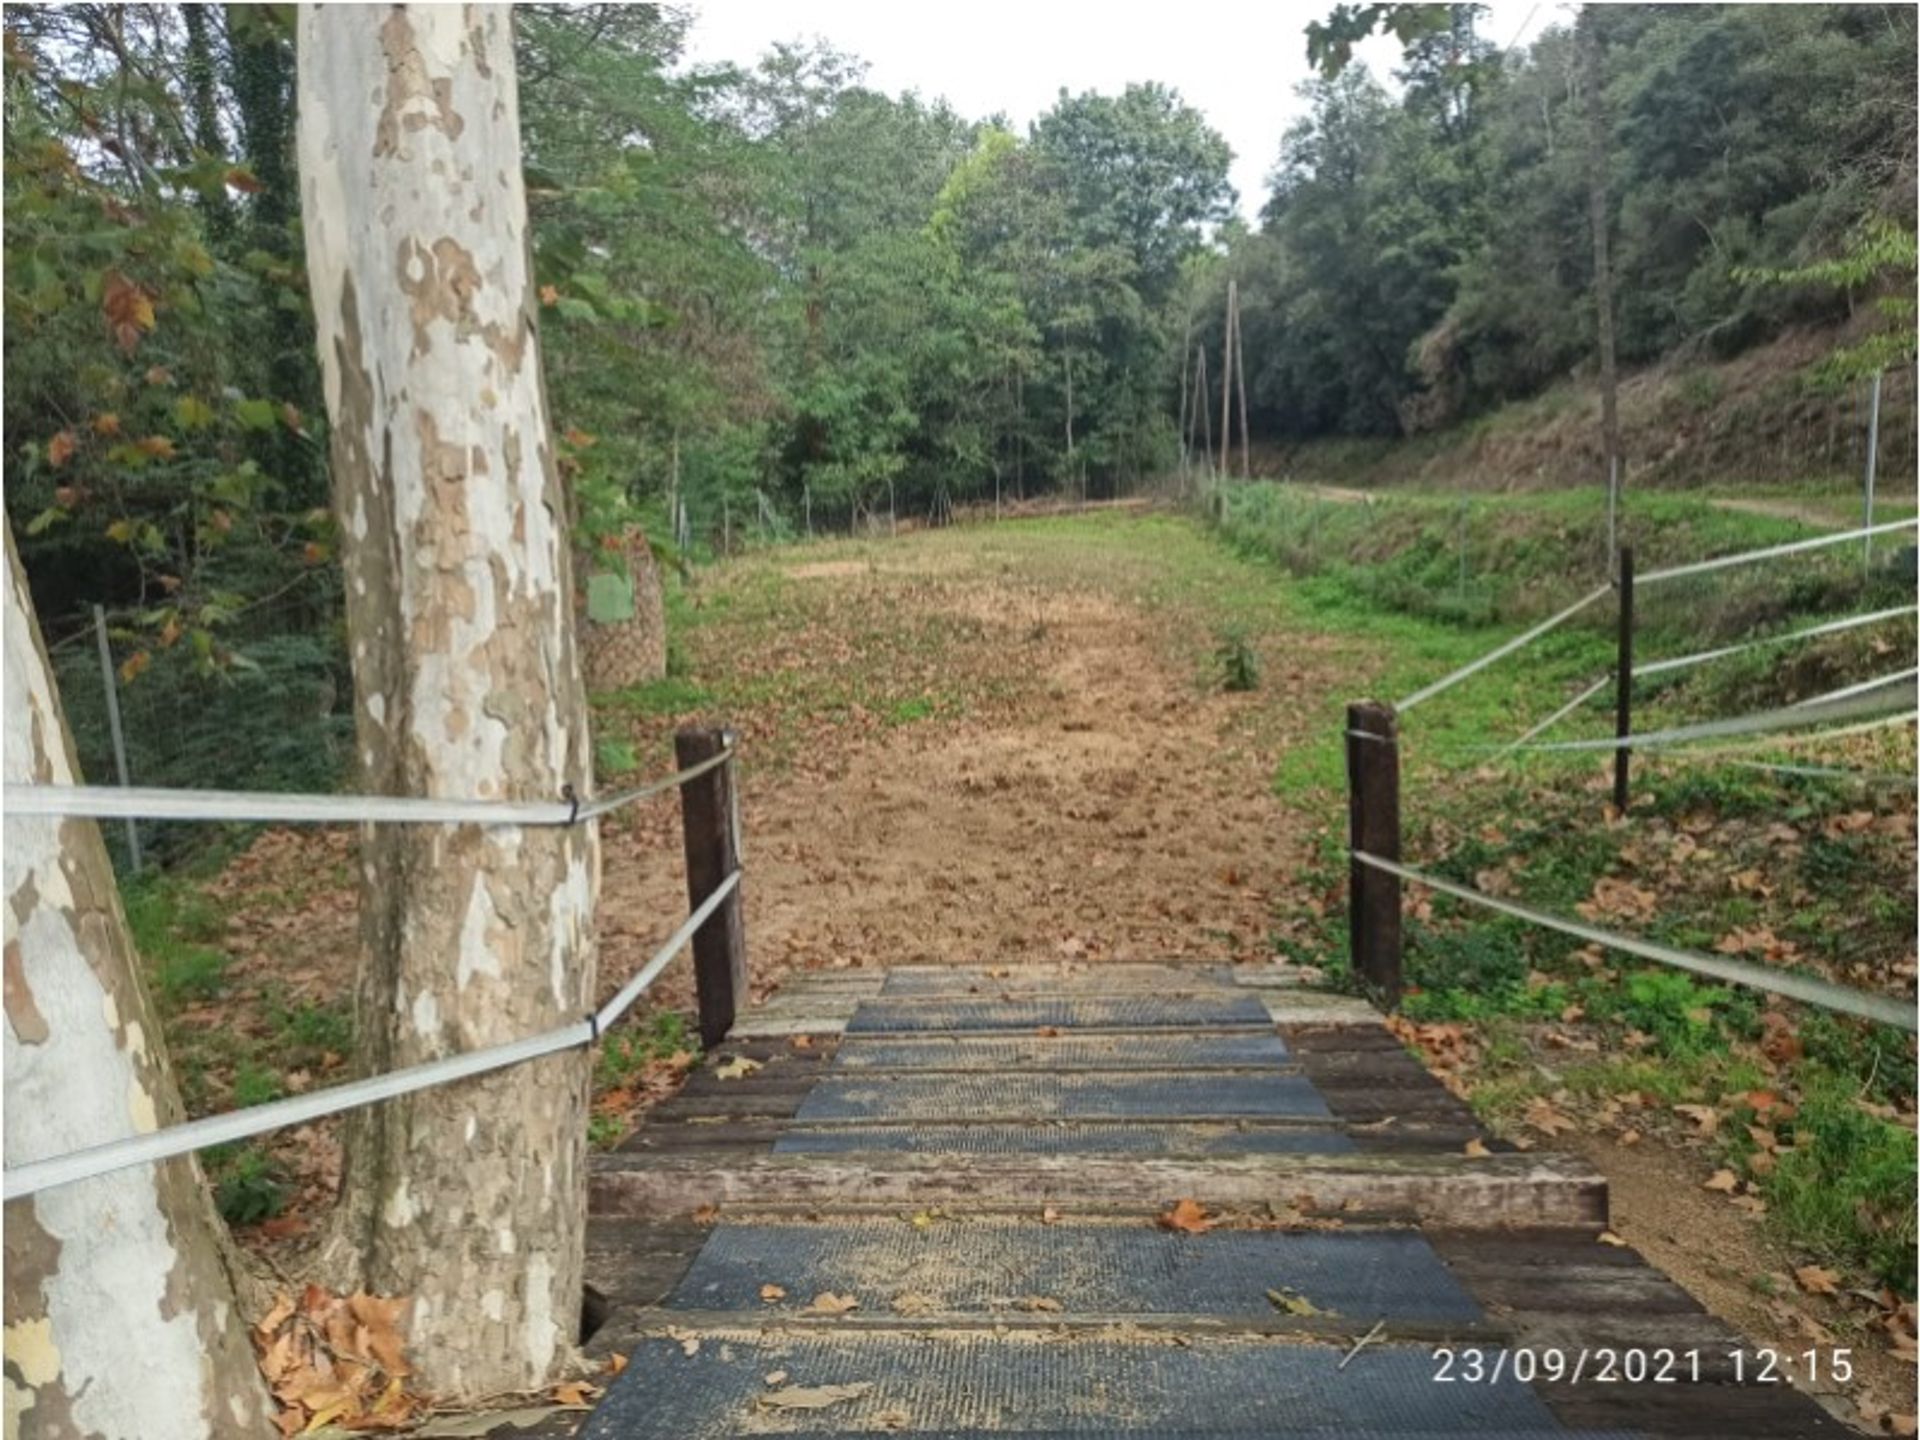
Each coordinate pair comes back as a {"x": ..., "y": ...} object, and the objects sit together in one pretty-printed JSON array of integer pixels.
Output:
[{"x": 772, "y": 295}]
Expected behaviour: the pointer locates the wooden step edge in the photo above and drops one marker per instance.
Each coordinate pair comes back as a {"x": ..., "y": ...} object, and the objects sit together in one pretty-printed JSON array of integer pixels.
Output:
[
  {"x": 845, "y": 1074},
  {"x": 1547, "y": 1191},
  {"x": 1026, "y": 1119},
  {"x": 662, "y": 1322}
]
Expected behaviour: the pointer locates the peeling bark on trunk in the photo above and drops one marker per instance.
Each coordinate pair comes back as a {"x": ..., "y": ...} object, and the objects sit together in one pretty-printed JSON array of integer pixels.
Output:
[
  {"x": 121, "y": 1315},
  {"x": 471, "y": 1198}
]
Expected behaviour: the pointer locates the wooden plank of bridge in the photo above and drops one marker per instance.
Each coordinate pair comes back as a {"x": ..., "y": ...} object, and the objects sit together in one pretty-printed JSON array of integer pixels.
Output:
[{"x": 911, "y": 1142}]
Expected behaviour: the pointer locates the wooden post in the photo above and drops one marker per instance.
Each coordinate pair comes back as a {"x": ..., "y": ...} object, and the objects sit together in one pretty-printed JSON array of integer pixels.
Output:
[
  {"x": 1623, "y": 682},
  {"x": 1226, "y": 379},
  {"x": 1240, "y": 385},
  {"x": 710, "y": 816},
  {"x": 1373, "y": 825},
  {"x": 1873, "y": 455}
]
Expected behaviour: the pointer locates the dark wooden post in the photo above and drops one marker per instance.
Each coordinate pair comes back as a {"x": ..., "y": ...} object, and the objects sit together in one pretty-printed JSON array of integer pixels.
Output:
[
  {"x": 1623, "y": 682},
  {"x": 1373, "y": 815},
  {"x": 709, "y": 811}
]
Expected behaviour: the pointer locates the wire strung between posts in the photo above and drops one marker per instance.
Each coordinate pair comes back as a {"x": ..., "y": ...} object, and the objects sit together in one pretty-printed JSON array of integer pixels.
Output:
[
  {"x": 111, "y": 802},
  {"x": 1808, "y": 989},
  {"x": 1794, "y": 742},
  {"x": 1557, "y": 716},
  {"x": 1720, "y": 753},
  {"x": 1849, "y": 704},
  {"x": 1831, "y": 627},
  {"x": 1822, "y": 772},
  {"x": 1447, "y": 682},
  {"x": 1862, "y": 688},
  {"x": 1680, "y": 662},
  {"x": 624, "y": 997},
  {"x": 177, "y": 1140},
  {"x": 1792, "y": 547}
]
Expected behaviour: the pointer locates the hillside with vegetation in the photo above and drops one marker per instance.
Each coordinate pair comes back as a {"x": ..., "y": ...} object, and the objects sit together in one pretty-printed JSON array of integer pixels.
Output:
[
  {"x": 825, "y": 356},
  {"x": 776, "y": 300}
]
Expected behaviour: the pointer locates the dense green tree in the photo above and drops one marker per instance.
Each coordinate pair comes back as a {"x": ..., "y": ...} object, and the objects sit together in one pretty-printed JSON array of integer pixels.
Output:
[{"x": 1429, "y": 254}]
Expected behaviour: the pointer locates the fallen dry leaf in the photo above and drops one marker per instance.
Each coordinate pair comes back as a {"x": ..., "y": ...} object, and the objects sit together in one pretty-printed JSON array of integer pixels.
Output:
[
  {"x": 1187, "y": 1217},
  {"x": 1705, "y": 1118},
  {"x": 575, "y": 1394},
  {"x": 735, "y": 1069},
  {"x": 1817, "y": 1280},
  {"x": 1607, "y": 1237},
  {"x": 771, "y": 1293},
  {"x": 1038, "y": 1303},
  {"x": 814, "y": 1397},
  {"x": 1292, "y": 1302},
  {"x": 1723, "y": 1180},
  {"x": 1542, "y": 1116},
  {"x": 1476, "y": 1149},
  {"x": 828, "y": 1303}
]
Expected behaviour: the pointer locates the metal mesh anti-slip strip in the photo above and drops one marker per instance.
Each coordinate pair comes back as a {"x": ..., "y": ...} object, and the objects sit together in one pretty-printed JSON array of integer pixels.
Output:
[
  {"x": 1112, "y": 1012},
  {"x": 1066, "y": 1138},
  {"x": 968, "y": 1266},
  {"x": 961, "y": 1386}
]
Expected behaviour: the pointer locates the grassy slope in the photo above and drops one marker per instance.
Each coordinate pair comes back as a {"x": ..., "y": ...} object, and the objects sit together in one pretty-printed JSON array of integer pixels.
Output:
[
  {"x": 1751, "y": 425},
  {"x": 1787, "y": 870}
]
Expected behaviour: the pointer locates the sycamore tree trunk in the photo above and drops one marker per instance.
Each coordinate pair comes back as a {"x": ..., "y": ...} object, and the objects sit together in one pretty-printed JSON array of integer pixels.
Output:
[
  {"x": 471, "y": 1199},
  {"x": 121, "y": 1315}
]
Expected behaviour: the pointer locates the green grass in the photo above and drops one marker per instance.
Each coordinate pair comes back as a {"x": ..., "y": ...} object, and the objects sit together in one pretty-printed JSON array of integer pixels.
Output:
[
  {"x": 627, "y": 1049},
  {"x": 914, "y": 707},
  {"x": 176, "y": 928},
  {"x": 672, "y": 695},
  {"x": 614, "y": 758},
  {"x": 1843, "y": 1186},
  {"x": 1239, "y": 665},
  {"x": 248, "y": 1186}
]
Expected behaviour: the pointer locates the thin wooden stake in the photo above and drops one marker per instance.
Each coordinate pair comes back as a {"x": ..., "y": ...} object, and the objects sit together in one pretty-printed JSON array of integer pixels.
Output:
[
  {"x": 1201, "y": 407},
  {"x": 1240, "y": 384},
  {"x": 1873, "y": 455},
  {"x": 1226, "y": 379}
]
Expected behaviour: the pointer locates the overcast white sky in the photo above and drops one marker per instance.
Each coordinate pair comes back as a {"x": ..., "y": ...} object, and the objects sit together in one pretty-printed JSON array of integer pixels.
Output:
[{"x": 1237, "y": 62}]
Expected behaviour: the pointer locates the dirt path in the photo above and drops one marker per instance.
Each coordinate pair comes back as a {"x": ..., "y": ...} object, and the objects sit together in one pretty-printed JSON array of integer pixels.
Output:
[{"x": 1098, "y": 803}]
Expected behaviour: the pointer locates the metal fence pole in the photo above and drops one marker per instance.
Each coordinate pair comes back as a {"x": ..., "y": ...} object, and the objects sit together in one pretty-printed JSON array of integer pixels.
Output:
[
  {"x": 1463, "y": 548},
  {"x": 1873, "y": 454},
  {"x": 112, "y": 684},
  {"x": 1623, "y": 683},
  {"x": 1613, "y": 513}
]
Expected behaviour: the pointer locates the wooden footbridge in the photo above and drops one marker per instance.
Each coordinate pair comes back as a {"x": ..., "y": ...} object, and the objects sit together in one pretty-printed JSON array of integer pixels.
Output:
[{"x": 1055, "y": 1200}]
